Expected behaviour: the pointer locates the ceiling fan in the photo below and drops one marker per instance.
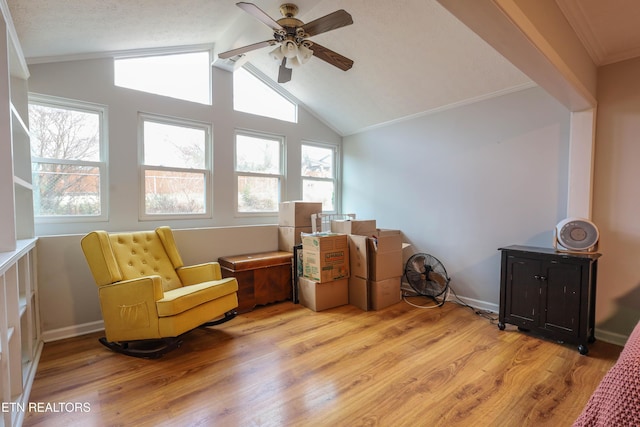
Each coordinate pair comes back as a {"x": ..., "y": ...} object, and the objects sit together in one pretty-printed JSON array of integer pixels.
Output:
[{"x": 290, "y": 35}]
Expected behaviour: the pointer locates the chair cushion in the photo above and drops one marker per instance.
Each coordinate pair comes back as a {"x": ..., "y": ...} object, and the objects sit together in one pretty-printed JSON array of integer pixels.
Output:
[
  {"x": 182, "y": 299},
  {"x": 141, "y": 254}
]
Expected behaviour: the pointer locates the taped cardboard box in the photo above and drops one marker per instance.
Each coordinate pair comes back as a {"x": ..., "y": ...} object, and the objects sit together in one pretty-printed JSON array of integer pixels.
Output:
[
  {"x": 361, "y": 227},
  {"x": 323, "y": 296},
  {"x": 297, "y": 213}
]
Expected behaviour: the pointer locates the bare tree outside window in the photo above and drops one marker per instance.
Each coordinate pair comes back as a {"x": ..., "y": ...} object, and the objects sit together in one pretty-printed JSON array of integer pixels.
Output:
[{"x": 65, "y": 149}]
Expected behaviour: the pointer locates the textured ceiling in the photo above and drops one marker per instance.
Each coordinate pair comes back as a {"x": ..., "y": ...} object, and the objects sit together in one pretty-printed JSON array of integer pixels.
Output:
[{"x": 411, "y": 56}]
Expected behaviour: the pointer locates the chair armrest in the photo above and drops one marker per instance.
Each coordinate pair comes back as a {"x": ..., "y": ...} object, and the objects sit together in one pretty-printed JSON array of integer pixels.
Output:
[
  {"x": 193, "y": 274},
  {"x": 133, "y": 291}
]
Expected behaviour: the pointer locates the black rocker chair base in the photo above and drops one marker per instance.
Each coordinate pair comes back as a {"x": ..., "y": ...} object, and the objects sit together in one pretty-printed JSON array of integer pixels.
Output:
[
  {"x": 153, "y": 349},
  {"x": 227, "y": 316},
  {"x": 146, "y": 349}
]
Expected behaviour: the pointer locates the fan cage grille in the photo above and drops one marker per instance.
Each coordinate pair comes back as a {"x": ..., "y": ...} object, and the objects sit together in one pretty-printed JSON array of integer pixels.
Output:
[{"x": 426, "y": 275}]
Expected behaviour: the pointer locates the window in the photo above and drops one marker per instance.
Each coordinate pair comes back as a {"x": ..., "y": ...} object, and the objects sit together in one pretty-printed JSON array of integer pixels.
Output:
[
  {"x": 252, "y": 95},
  {"x": 175, "y": 171},
  {"x": 183, "y": 76},
  {"x": 259, "y": 176},
  {"x": 319, "y": 175},
  {"x": 68, "y": 153}
]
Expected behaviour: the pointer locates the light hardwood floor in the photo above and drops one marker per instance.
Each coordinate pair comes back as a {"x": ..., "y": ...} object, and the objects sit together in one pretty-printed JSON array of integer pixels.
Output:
[{"x": 285, "y": 365}]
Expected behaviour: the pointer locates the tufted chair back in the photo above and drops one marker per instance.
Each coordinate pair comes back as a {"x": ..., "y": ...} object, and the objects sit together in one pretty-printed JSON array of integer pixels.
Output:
[{"x": 125, "y": 256}]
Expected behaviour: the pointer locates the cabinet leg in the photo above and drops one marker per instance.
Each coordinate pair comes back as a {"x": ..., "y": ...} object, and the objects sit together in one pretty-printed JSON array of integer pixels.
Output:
[
  {"x": 583, "y": 349},
  {"x": 501, "y": 326}
]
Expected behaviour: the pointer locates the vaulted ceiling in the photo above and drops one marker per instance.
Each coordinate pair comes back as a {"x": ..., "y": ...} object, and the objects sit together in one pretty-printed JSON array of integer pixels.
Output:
[{"x": 411, "y": 56}]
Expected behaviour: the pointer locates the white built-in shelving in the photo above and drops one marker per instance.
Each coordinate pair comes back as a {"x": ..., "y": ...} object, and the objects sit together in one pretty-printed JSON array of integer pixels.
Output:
[{"x": 20, "y": 342}]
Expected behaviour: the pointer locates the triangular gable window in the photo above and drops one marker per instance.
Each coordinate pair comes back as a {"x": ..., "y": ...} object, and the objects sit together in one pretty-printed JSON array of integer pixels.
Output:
[
  {"x": 182, "y": 76},
  {"x": 254, "y": 96}
]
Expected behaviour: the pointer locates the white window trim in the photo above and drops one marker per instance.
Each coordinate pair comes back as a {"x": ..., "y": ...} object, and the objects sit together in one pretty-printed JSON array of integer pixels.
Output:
[
  {"x": 281, "y": 176},
  {"x": 102, "y": 165},
  {"x": 336, "y": 172},
  {"x": 207, "y": 171}
]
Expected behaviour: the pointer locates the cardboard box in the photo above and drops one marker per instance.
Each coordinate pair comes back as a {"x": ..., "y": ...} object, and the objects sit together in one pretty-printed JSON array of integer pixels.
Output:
[
  {"x": 288, "y": 237},
  {"x": 385, "y": 292},
  {"x": 325, "y": 256},
  {"x": 323, "y": 242},
  {"x": 359, "y": 292},
  {"x": 376, "y": 258},
  {"x": 297, "y": 213},
  {"x": 358, "y": 257},
  {"x": 325, "y": 266},
  {"x": 386, "y": 240},
  {"x": 385, "y": 255},
  {"x": 366, "y": 227},
  {"x": 385, "y": 265},
  {"x": 322, "y": 296}
]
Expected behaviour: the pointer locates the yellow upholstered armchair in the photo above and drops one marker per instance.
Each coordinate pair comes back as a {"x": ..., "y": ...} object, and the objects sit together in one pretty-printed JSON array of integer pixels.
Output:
[{"x": 148, "y": 297}]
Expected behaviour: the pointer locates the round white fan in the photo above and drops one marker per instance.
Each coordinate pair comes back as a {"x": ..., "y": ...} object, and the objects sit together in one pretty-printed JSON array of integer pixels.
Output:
[{"x": 576, "y": 235}]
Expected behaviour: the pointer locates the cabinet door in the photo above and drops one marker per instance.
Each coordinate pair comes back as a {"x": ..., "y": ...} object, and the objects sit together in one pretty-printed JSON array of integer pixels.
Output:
[
  {"x": 523, "y": 291},
  {"x": 561, "y": 297}
]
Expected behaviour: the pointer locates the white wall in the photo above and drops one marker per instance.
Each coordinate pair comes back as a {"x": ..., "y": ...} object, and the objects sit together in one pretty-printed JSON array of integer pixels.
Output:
[
  {"x": 92, "y": 81},
  {"x": 464, "y": 182},
  {"x": 616, "y": 205}
]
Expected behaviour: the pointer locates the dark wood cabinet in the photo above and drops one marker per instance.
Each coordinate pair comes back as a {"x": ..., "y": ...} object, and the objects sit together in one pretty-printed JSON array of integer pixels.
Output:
[
  {"x": 549, "y": 293},
  {"x": 263, "y": 278}
]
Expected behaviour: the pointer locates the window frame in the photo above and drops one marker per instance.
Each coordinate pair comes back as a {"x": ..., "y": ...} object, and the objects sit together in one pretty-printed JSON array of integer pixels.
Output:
[
  {"x": 336, "y": 172},
  {"x": 236, "y": 174},
  {"x": 102, "y": 165},
  {"x": 207, "y": 171}
]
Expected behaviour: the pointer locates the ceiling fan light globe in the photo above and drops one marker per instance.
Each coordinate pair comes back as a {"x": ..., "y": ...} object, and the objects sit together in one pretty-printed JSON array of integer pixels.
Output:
[
  {"x": 289, "y": 49},
  {"x": 304, "y": 54},
  {"x": 277, "y": 54}
]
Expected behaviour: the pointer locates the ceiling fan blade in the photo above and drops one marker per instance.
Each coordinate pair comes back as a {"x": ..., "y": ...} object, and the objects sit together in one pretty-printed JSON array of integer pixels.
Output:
[
  {"x": 284, "y": 73},
  {"x": 245, "y": 49},
  {"x": 259, "y": 14},
  {"x": 331, "y": 57},
  {"x": 332, "y": 21}
]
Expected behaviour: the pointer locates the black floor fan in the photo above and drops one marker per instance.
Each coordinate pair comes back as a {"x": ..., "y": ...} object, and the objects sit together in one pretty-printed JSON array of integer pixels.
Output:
[{"x": 427, "y": 277}]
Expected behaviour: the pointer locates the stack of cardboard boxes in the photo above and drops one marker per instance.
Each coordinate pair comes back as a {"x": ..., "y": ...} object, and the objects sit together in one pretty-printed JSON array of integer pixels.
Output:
[
  {"x": 376, "y": 263},
  {"x": 294, "y": 218},
  {"x": 355, "y": 263},
  {"x": 325, "y": 271}
]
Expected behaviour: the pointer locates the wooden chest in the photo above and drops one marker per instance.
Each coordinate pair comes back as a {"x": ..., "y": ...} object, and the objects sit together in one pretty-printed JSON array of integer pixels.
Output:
[{"x": 263, "y": 278}]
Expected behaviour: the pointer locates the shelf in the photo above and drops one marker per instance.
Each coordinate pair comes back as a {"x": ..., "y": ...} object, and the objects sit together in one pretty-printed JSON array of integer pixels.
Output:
[
  {"x": 22, "y": 304},
  {"x": 7, "y": 259},
  {"x": 18, "y": 120},
  {"x": 22, "y": 183}
]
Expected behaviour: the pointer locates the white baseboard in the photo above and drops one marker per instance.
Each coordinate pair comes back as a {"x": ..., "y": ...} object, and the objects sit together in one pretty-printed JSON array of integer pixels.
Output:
[
  {"x": 72, "y": 331},
  {"x": 477, "y": 304},
  {"x": 611, "y": 337},
  {"x": 87, "y": 328}
]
